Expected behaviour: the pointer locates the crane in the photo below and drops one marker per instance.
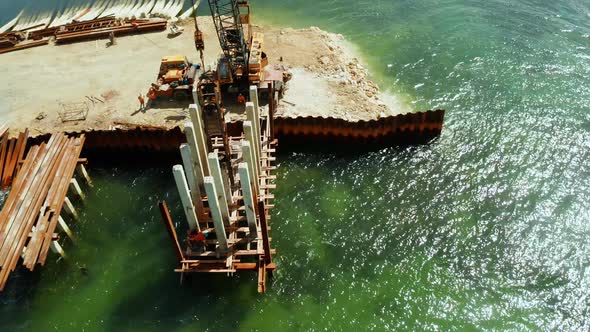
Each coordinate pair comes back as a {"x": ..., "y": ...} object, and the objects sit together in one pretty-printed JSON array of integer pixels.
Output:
[{"x": 228, "y": 22}]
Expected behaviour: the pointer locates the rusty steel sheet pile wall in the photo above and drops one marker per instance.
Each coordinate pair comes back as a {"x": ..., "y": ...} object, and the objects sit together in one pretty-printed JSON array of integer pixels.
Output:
[
  {"x": 123, "y": 140},
  {"x": 404, "y": 129},
  {"x": 140, "y": 139}
]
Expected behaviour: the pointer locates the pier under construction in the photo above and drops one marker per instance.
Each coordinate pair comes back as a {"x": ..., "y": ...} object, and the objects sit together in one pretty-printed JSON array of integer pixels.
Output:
[{"x": 225, "y": 184}]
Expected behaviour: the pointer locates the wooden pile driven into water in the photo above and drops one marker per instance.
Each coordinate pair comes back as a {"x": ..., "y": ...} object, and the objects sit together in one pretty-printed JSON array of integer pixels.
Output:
[
  {"x": 38, "y": 192},
  {"x": 225, "y": 185}
]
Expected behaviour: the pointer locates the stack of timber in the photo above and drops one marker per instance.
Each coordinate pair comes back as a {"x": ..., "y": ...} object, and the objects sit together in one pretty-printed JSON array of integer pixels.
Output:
[
  {"x": 101, "y": 28},
  {"x": 11, "y": 152},
  {"x": 101, "y": 23},
  {"x": 14, "y": 41},
  {"x": 32, "y": 210},
  {"x": 77, "y": 31}
]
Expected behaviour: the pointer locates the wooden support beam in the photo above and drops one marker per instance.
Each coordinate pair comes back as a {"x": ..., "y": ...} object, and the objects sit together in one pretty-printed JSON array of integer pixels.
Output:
[
  {"x": 7, "y": 172},
  {"x": 70, "y": 209},
  {"x": 206, "y": 270},
  {"x": 81, "y": 170},
  {"x": 3, "y": 153},
  {"x": 83, "y": 161},
  {"x": 22, "y": 148},
  {"x": 64, "y": 228},
  {"x": 185, "y": 197},
  {"x": 264, "y": 229},
  {"x": 261, "y": 276},
  {"x": 75, "y": 189},
  {"x": 56, "y": 248},
  {"x": 216, "y": 213},
  {"x": 235, "y": 253},
  {"x": 247, "y": 192},
  {"x": 169, "y": 225},
  {"x": 246, "y": 266}
]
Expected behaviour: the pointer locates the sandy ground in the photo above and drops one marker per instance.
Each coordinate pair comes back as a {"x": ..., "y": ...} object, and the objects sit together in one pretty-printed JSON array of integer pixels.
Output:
[{"x": 38, "y": 84}]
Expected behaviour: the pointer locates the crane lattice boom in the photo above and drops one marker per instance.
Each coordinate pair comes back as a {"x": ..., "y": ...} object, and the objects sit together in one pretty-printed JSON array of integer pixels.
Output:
[{"x": 226, "y": 16}]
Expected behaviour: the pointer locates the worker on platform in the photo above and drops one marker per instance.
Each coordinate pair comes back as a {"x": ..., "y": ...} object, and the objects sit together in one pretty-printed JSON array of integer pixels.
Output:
[
  {"x": 151, "y": 96},
  {"x": 112, "y": 41},
  {"x": 241, "y": 99},
  {"x": 141, "y": 102},
  {"x": 197, "y": 240}
]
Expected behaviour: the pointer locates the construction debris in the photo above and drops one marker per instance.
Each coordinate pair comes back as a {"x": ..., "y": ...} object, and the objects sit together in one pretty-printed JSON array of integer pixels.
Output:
[{"x": 74, "y": 112}]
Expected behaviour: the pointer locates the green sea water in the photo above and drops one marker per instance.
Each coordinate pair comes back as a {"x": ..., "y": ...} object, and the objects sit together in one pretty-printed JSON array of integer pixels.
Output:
[{"x": 485, "y": 229}]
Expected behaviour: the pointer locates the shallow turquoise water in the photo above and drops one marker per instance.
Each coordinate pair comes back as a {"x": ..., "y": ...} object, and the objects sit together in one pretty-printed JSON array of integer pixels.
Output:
[{"x": 485, "y": 229}]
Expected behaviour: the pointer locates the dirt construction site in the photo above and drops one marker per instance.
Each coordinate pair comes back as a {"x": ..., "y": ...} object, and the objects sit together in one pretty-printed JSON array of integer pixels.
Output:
[{"x": 93, "y": 86}]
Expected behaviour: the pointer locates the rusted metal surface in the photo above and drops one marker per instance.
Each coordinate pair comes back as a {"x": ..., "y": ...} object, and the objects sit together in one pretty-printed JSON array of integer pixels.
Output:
[
  {"x": 262, "y": 211},
  {"x": 414, "y": 128},
  {"x": 77, "y": 31},
  {"x": 11, "y": 152},
  {"x": 167, "y": 220},
  {"x": 127, "y": 28},
  {"x": 402, "y": 129},
  {"x": 24, "y": 45}
]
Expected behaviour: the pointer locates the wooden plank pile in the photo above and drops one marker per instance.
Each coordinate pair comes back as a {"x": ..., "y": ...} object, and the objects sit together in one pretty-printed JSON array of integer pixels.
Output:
[
  {"x": 11, "y": 152},
  {"x": 17, "y": 40},
  {"x": 10, "y": 39},
  {"x": 31, "y": 212},
  {"x": 77, "y": 31},
  {"x": 102, "y": 29}
]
